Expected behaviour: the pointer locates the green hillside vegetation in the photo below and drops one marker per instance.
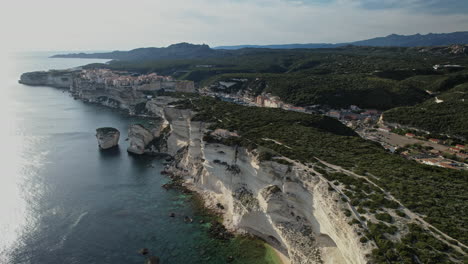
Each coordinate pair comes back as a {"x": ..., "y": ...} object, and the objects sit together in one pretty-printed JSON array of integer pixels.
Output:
[
  {"x": 337, "y": 90},
  {"x": 449, "y": 117},
  {"x": 438, "y": 194},
  {"x": 369, "y": 77}
]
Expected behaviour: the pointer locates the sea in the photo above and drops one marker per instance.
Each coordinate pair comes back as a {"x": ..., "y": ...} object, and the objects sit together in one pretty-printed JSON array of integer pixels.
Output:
[{"x": 62, "y": 200}]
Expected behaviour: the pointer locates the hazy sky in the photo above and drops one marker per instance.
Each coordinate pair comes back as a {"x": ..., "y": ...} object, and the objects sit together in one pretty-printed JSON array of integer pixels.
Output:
[{"x": 117, "y": 24}]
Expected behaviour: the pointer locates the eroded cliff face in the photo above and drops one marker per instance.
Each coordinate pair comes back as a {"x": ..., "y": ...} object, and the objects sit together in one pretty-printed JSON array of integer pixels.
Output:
[
  {"x": 124, "y": 94},
  {"x": 291, "y": 207},
  {"x": 125, "y": 98},
  {"x": 139, "y": 138}
]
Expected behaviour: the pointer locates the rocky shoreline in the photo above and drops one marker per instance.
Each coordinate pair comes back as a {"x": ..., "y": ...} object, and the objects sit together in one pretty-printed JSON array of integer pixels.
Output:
[{"x": 293, "y": 209}]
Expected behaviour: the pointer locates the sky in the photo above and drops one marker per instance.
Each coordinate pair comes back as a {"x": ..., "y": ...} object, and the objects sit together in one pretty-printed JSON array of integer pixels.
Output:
[{"x": 91, "y": 25}]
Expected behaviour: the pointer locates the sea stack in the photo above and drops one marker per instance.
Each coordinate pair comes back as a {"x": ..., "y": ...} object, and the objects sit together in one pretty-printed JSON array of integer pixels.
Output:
[
  {"x": 139, "y": 138},
  {"x": 108, "y": 137}
]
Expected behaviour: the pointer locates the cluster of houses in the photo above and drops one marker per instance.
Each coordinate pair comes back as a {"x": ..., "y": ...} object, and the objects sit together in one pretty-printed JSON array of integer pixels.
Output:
[
  {"x": 354, "y": 113},
  {"x": 459, "y": 151},
  {"x": 269, "y": 100},
  {"x": 436, "y": 157},
  {"x": 352, "y": 116},
  {"x": 146, "y": 82},
  {"x": 263, "y": 100},
  {"x": 442, "y": 162},
  {"x": 121, "y": 79}
]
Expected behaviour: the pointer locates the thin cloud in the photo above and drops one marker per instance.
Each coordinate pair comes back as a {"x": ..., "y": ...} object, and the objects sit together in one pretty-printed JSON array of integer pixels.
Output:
[
  {"x": 420, "y": 6},
  {"x": 119, "y": 24}
]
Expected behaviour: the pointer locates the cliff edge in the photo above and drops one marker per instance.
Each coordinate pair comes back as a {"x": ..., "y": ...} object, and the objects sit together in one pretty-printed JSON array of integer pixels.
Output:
[{"x": 290, "y": 206}]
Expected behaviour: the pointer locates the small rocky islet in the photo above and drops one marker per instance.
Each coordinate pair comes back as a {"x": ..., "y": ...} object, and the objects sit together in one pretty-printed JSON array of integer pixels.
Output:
[{"x": 107, "y": 137}]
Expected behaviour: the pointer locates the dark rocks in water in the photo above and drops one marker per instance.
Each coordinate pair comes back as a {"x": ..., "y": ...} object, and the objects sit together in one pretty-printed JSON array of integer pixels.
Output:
[
  {"x": 144, "y": 251},
  {"x": 152, "y": 260},
  {"x": 188, "y": 219},
  {"x": 230, "y": 259},
  {"x": 218, "y": 231},
  {"x": 172, "y": 215},
  {"x": 175, "y": 184},
  {"x": 186, "y": 191},
  {"x": 107, "y": 137}
]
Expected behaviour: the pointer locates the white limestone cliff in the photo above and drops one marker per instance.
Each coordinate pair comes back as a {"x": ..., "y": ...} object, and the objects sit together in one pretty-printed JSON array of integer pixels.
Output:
[
  {"x": 294, "y": 210},
  {"x": 139, "y": 138}
]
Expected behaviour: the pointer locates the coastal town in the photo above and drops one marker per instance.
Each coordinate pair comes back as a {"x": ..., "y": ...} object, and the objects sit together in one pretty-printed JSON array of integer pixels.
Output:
[
  {"x": 105, "y": 78},
  {"x": 368, "y": 123},
  {"x": 124, "y": 89}
]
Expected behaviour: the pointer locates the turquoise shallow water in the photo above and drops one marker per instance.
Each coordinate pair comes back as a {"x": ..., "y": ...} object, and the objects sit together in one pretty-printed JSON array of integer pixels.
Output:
[{"x": 64, "y": 201}]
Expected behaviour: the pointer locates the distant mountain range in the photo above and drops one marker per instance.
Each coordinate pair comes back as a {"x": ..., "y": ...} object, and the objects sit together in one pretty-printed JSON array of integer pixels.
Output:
[
  {"x": 392, "y": 40},
  {"x": 175, "y": 51},
  {"x": 191, "y": 51}
]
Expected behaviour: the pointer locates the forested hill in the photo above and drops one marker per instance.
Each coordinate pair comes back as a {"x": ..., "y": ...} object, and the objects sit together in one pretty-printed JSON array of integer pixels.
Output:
[
  {"x": 369, "y": 77},
  {"x": 175, "y": 51},
  {"x": 447, "y": 114},
  {"x": 392, "y": 40},
  {"x": 416, "y": 40}
]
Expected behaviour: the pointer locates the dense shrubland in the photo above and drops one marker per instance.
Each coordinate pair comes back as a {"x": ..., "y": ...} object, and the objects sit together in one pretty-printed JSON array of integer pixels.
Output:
[{"x": 447, "y": 117}]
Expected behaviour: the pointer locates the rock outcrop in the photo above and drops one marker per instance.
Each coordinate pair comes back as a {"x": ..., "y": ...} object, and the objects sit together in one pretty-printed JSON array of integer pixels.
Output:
[
  {"x": 294, "y": 210},
  {"x": 108, "y": 137},
  {"x": 141, "y": 138}
]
